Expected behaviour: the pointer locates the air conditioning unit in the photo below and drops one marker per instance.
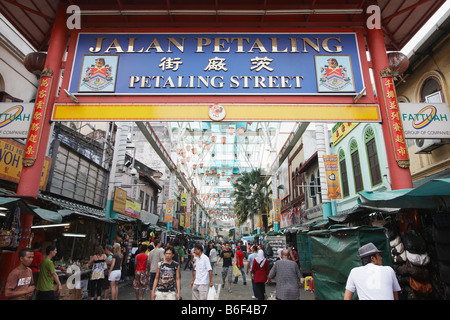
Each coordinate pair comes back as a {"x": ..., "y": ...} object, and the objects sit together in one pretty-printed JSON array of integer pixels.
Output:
[{"x": 427, "y": 145}]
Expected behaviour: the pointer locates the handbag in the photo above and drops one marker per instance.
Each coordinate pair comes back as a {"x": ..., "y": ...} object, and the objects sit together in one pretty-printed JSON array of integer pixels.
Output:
[
  {"x": 10, "y": 231},
  {"x": 423, "y": 288},
  {"x": 418, "y": 259}
]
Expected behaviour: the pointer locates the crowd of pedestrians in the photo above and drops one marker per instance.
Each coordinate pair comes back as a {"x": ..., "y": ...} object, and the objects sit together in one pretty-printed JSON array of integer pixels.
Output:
[{"x": 157, "y": 271}]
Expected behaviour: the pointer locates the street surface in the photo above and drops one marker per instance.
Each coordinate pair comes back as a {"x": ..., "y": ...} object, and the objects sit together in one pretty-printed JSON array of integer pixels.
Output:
[{"x": 239, "y": 291}]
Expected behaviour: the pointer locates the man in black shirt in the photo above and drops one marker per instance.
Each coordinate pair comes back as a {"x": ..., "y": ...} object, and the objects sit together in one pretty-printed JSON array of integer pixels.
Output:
[{"x": 227, "y": 268}]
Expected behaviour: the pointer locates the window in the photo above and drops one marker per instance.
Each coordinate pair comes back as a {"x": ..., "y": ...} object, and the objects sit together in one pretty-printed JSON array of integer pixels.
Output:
[
  {"x": 431, "y": 91},
  {"x": 343, "y": 170},
  {"x": 319, "y": 188},
  {"x": 374, "y": 165},
  {"x": 357, "y": 174}
]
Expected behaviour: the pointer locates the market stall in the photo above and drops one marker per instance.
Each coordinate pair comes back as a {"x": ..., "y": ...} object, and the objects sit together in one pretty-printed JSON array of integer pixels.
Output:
[{"x": 419, "y": 236}]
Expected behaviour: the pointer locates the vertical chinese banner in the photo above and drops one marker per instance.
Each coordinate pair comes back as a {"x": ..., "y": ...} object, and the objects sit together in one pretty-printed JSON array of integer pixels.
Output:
[
  {"x": 169, "y": 211},
  {"x": 40, "y": 108},
  {"x": 276, "y": 210},
  {"x": 394, "y": 118},
  {"x": 187, "y": 222},
  {"x": 332, "y": 173},
  {"x": 259, "y": 221}
]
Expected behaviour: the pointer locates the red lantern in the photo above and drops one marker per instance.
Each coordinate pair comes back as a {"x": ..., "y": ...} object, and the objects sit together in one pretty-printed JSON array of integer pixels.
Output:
[
  {"x": 224, "y": 139},
  {"x": 223, "y": 173},
  {"x": 240, "y": 131},
  {"x": 200, "y": 143},
  {"x": 201, "y": 165},
  {"x": 194, "y": 151},
  {"x": 218, "y": 175},
  {"x": 230, "y": 130},
  {"x": 213, "y": 138},
  {"x": 188, "y": 147},
  {"x": 213, "y": 171},
  {"x": 194, "y": 166},
  {"x": 207, "y": 172},
  {"x": 228, "y": 179},
  {"x": 208, "y": 146}
]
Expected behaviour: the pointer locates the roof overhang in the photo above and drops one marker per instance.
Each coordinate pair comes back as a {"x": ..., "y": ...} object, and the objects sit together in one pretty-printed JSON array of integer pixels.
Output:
[{"x": 400, "y": 19}]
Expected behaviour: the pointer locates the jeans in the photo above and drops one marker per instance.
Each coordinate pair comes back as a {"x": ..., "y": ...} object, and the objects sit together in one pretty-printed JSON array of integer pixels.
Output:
[{"x": 243, "y": 275}]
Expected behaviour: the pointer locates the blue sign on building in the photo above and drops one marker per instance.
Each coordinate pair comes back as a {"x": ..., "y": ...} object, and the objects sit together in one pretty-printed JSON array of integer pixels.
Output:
[{"x": 217, "y": 64}]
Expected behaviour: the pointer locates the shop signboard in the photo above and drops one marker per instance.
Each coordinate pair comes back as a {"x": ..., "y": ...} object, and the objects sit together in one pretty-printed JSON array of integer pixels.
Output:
[
  {"x": 217, "y": 64},
  {"x": 425, "y": 120},
  {"x": 133, "y": 209},
  {"x": 120, "y": 200},
  {"x": 11, "y": 154},
  {"x": 15, "y": 119}
]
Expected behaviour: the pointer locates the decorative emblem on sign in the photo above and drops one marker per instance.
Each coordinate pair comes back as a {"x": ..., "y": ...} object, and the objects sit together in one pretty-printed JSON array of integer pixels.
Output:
[
  {"x": 334, "y": 74},
  {"x": 217, "y": 112},
  {"x": 98, "y": 74}
]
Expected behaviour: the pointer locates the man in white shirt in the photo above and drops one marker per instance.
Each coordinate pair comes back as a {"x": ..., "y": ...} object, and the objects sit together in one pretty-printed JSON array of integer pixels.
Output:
[
  {"x": 372, "y": 281},
  {"x": 202, "y": 275}
]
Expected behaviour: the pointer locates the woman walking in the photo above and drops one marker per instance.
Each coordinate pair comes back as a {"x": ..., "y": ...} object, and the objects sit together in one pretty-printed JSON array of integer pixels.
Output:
[
  {"x": 167, "y": 285},
  {"x": 260, "y": 271},
  {"x": 98, "y": 262},
  {"x": 114, "y": 271}
]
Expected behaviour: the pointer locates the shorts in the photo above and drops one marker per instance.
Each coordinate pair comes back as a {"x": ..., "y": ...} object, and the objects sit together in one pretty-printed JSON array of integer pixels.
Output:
[
  {"x": 227, "y": 271},
  {"x": 140, "y": 280},
  {"x": 169, "y": 295},
  {"x": 115, "y": 275}
]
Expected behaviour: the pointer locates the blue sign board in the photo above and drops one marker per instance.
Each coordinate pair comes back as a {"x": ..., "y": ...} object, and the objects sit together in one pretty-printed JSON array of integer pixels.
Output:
[{"x": 217, "y": 64}]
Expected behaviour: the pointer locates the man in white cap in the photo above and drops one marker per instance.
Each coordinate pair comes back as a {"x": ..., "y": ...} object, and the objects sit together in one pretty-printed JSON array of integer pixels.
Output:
[{"x": 372, "y": 281}]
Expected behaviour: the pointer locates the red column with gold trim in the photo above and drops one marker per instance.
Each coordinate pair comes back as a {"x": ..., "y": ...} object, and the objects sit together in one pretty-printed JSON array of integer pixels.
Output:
[
  {"x": 38, "y": 136},
  {"x": 396, "y": 149}
]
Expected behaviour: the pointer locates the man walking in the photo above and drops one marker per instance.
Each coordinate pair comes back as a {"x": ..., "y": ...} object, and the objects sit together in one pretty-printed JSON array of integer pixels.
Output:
[
  {"x": 154, "y": 257},
  {"x": 20, "y": 283},
  {"x": 240, "y": 265},
  {"x": 227, "y": 268},
  {"x": 202, "y": 275},
  {"x": 372, "y": 281},
  {"x": 287, "y": 276},
  {"x": 47, "y": 276}
]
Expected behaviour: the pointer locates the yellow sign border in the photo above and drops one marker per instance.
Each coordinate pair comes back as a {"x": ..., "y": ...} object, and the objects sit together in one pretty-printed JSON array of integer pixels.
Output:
[{"x": 200, "y": 112}]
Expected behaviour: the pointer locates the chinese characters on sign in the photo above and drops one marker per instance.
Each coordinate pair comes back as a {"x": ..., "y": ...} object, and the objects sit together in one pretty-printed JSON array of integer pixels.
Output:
[
  {"x": 332, "y": 173},
  {"x": 394, "y": 118},
  {"x": 40, "y": 107},
  {"x": 257, "y": 63}
]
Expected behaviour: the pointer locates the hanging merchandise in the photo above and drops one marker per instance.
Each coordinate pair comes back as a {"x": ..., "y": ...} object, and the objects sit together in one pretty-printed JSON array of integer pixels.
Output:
[{"x": 10, "y": 231}]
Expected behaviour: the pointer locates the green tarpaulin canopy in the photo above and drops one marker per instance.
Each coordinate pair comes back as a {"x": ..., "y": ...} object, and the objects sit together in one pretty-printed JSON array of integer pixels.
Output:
[
  {"x": 334, "y": 252},
  {"x": 433, "y": 194}
]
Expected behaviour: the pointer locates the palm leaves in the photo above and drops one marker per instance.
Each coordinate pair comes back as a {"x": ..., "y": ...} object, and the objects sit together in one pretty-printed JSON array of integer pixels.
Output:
[{"x": 251, "y": 196}]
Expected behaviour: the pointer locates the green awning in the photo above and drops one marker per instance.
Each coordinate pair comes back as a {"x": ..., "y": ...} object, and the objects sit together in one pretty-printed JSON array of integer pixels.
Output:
[
  {"x": 11, "y": 202},
  {"x": 48, "y": 215},
  {"x": 433, "y": 194}
]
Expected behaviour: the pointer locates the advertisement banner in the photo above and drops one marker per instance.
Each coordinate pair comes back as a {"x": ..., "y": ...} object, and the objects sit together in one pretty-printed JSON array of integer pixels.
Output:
[
  {"x": 183, "y": 199},
  {"x": 217, "y": 63},
  {"x": 11, "y": 154},
  {"x": 133, "y": 209},
  {"x": 332, "y": 172},
  {"x": 15, "y": 119},
  {"x": 120, "y": 200},
  {"x": 276, "y": 210},
  {"x": 425, "y": 120},
  {"x": 169, "y": 211}
]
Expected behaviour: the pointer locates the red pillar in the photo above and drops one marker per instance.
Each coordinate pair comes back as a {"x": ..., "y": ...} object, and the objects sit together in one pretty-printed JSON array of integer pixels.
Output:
[
  {"x": 31, "y": 175},
  {"x": 400, "y": 176}
]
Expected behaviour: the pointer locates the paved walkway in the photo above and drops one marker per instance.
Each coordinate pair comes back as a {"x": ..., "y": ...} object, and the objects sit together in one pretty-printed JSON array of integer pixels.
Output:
[{"x": 239, "y": 291}]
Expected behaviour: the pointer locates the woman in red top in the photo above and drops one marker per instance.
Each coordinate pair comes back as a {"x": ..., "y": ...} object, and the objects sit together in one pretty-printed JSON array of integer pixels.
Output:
[{"x": 260, "y": 271}]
